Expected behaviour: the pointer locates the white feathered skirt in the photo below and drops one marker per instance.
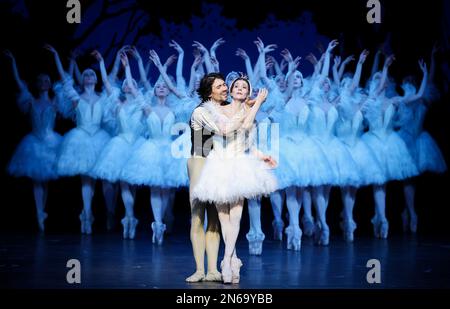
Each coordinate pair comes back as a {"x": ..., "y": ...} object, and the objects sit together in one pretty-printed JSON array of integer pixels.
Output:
[{"x": 228, "y": 179}]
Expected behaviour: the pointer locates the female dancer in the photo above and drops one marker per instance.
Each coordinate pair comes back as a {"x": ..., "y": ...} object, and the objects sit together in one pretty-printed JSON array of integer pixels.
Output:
[
  {"x": 82, "y": 145},
  {"x": 128, "y": 107},
  {"x": 35, "y": 156},
  {"x": 421, "y": 146},
  {"x": 385, "y": 143},
  {"x": 230, "y": 174}
]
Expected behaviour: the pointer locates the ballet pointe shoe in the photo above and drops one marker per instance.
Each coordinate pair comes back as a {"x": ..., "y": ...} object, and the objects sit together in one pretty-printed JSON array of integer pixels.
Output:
[
  {"x": 321, "y": 235},
  {"x": 294, "y": 238},
  {"x": 255, "y": 242},
  {"x": 41, "y": 216},
  {"x": 196, "y": 277},
  {"x": 277, "y": 229},
  {"x": 213, "y": 276},
  {"x": 158, "y": 232},
  {"x": 308, "y": 226},
  {"x": 236, "y": 265},
  {"x": 413, "y": 223},
  {"x": 110, "y": 221},
  {"x": 380, "y": 227},
  {"x": 225, "y": 266},
  {"x": 129, "y": 227},
  {"x": 409, "y": 221},
  {"x": 86, "y": 223},
  {"x": 348, "y": 227}
]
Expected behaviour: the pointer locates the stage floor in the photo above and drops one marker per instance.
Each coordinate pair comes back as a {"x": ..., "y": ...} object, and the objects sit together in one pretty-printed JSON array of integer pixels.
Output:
[{"x": 107, "y": 261}]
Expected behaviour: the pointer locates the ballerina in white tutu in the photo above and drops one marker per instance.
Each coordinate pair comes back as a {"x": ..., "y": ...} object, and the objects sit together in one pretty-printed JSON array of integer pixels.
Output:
[
  {"x": 128, "y": 108},
  {"x": 35, "y": 156},
  {"x": 390, "y": 150},
  {"x": 421, "y": 145},
  {"x": 349, "y": 129},
  {"x": 81, "y": 146},
  {"x": 231, "y": 173}
]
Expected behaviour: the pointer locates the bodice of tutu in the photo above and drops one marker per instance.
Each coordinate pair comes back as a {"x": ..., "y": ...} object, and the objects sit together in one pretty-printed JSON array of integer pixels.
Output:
[
  {"x": 349, "y": 131},
  {"x": 294, "y": 121},
  {"x": 42, "y": 114},
  {"x": 381, "y": 121},
  {"x": 321, "y": 124},
  {"x": 129, "y": 119},
  {"x": 88, "y": 115},
  {"x": 160, "y": 128},
  {"x": 410, "y": 117},
  {"x": 233, "y": 144}
]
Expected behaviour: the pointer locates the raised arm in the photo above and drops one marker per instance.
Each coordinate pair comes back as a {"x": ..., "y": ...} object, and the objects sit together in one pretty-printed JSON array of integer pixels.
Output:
[
  {"x": 155, "y": 58},
  {"x": 337, "y": 61},
  {"x": 376, "y": 62},
  {"x": 292, "y": 66},
  {"x": 22, "y": 86},
  {"x": 116, "y": 66},
  {"x": 74, "y": 70},
  {"x": 212, "y": 53},
  {"x": 384, "y": 74},
  {"x": 181, "y": 83},
  {"x": 206, "y": 56},
  {"x": 423, "y": 85},
  {"x": 357, "y": 75},
  {"x": 326, "y": 64},
  {"x": 197, "y": 62},
  {"x": 128, "y": 76},
  {"x": 248, "y": 66},
  {"x": 59, "y": 66},
  {"x": 250, "y": 117},
  {"x": 343, "y": 65},
  {"x": 101, "y": 63},
  {"x": 142, "y": 72},
  {"x": 261, "y": 63}
]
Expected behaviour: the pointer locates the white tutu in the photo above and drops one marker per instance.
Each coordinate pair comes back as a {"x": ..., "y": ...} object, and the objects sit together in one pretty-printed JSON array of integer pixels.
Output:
[
  {"x": 310, "y": 165},
  {"x": 392, "y": 154},
  {"x": 80, "y": 151},
  {"x": 143, "y": 167},
  {"x": 370, "y": 170},
  {"x": 113, "y": 158},
  {"x": 227, "y": 179},
  {"x": 36, "y": 157},
  {"x": 428, "y": 155}
]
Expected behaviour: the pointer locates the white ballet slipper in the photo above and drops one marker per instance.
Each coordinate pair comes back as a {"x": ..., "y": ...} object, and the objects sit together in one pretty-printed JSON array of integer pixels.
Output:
[
  {"x": 196, "y": 277},
  {"x": 321, "y": 235},
  {"x": 348, "y": 228},
  {"x": 277, "y": 230},
  {"x": 308, "y": 226},
  {"x": 132, "y": 227},
  {"x": 225, "y": 266},
  {"x": 213, "y": 276},
  {"x": 158, "y": 232},
  {"x": 236, "y": 265},
  {"x": 255, "y": 242},
  {"x": 86, "y": 223},
  {"x": 41, "y": 216},
  {"x": 294, "y": 238},
  {"x": 110, "y": 221}
]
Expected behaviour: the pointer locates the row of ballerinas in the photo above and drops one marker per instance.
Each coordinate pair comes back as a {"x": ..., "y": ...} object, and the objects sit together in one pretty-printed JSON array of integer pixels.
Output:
[
  {"x": 124, "y": 136},
  {"x": 335, "y": 133}
]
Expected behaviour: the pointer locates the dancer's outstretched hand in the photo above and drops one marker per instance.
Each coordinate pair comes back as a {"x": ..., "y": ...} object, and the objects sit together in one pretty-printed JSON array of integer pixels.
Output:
[
  {"x": 260, "y": 98},
  {"x": 270, "y": 161}
]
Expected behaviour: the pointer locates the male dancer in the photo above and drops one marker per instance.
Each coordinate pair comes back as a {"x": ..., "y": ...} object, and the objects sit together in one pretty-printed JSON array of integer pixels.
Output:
[{"x": 212, "y": 88}]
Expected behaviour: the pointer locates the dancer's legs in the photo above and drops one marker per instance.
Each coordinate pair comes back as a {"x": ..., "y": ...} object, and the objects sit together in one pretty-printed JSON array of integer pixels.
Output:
[{"x": 40, "y": 190}]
